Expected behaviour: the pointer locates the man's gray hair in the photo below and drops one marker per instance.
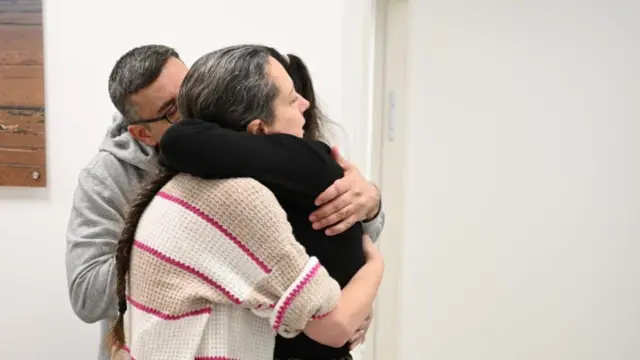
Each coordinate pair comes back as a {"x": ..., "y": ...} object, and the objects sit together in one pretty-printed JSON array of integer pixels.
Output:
[
  {"x": 229, "y": 86},
  {"x": 134, "y": 71}
]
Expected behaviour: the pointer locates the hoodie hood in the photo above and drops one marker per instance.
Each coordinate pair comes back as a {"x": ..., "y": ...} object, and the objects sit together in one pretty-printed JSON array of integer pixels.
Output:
[{"x": 119, "y": 143}]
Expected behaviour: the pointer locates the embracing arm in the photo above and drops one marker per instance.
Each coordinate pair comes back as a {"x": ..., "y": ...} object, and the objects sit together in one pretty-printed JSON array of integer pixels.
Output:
[
  {"x": 283, "y": 283},
  {"x": 206, "y": 150},
  {"x": 355, "y": 303}
]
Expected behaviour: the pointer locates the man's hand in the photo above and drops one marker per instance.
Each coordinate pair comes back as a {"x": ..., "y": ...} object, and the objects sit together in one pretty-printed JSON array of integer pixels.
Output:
[
  {"x": 360, "y": 335},
  {"x": 346, "y": 201}
]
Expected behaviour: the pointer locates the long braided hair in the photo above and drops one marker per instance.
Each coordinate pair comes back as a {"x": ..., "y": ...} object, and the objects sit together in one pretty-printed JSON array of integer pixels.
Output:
[{"x": 115, "y": 339}]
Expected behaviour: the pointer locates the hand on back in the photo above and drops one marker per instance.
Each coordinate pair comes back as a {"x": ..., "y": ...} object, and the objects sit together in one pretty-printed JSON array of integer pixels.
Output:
[{"x": 347, "y": 201}]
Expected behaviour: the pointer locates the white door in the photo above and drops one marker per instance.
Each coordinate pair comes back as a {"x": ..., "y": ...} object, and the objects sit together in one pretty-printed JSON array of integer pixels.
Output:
[{"x": 388, "y": 165}]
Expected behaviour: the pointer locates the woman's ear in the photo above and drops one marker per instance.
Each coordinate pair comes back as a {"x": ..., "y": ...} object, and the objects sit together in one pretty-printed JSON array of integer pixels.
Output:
[{"x": 257, "y": 127}]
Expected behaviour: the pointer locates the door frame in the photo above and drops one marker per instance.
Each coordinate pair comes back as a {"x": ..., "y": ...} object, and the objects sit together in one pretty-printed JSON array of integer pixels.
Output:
[{"x": 383, "y": 337}]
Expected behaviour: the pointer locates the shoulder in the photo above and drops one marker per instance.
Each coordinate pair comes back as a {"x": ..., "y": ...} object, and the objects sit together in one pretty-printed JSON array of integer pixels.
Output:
[
  {"x": 301, "y": 142},
  {"x": 238, "y": 206},
  {"x": 236, "y": 192},
  {"x": 104, "y": 167},
  {"x": 111, "y": 178}
]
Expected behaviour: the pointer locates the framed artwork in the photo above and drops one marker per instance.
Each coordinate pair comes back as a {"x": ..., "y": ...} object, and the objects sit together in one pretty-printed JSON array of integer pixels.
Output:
[{"x": 22, "y": 113}]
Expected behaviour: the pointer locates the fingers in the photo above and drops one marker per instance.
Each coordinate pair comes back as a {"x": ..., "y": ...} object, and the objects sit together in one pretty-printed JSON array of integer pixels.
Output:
[
  {"x": 335, "y": 154},
  {"x": 333, "y": 212},
  {"x": 356, "y": 336},
  {"x": 338, "y": 188},
  {"x": 367, "y": 322},
  {"x": 357, "y": 339},
  {"x": 344, "y": 225},
  {"x": 355, "y": 344},
  {"x": 343, "y": 204}
]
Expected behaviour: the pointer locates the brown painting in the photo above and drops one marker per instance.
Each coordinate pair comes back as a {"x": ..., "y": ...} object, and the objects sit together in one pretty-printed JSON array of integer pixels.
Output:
[{"x": 22, "y": 130}]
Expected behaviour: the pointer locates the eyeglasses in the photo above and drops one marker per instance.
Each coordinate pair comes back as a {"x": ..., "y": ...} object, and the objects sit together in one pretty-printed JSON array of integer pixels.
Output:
[{"x": 171, "y": 116}]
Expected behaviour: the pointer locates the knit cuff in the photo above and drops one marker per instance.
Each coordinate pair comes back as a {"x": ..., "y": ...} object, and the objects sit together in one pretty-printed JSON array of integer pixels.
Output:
[{"x": 313, "y": 294}]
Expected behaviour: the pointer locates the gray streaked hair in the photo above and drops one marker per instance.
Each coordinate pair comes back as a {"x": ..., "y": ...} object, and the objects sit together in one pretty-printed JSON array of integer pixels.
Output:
[
  {"x": 229, "y": 86},
  {"x": 134, "y": 71}
]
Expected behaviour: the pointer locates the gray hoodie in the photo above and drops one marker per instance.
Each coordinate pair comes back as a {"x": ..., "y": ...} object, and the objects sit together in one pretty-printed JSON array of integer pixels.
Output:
[{"x": 106, "y": 188}]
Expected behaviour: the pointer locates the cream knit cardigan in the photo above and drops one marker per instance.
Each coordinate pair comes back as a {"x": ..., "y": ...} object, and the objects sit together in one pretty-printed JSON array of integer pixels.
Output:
[{"x": 216, "y": 272}]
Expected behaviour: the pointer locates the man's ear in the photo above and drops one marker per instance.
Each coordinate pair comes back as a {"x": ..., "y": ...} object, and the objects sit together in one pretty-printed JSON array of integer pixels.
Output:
[
  {"x": 257, "y": 127},
  {"x": 142, "y": 134}
]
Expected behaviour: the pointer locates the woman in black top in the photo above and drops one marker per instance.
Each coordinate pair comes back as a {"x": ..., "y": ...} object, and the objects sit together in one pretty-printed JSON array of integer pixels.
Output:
[{"x": 214, "y": 143}]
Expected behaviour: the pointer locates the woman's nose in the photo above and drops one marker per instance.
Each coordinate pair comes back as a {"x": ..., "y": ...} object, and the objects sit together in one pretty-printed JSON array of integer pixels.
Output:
[{"x": 304, "y": 105}]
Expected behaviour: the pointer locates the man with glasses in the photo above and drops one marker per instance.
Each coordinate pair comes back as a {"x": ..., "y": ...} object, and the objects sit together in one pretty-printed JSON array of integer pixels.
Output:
[{"x": 143, "y": 86}]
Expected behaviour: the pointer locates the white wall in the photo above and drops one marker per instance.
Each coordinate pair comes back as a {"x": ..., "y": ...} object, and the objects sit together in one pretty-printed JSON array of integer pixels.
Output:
[
  {"x": 523, "y": 234},
  {"x": 83, "y": 40}
]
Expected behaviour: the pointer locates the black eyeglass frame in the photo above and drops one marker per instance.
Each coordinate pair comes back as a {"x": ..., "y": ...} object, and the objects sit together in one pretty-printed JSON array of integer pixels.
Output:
[{"x": 164, "y": 117}]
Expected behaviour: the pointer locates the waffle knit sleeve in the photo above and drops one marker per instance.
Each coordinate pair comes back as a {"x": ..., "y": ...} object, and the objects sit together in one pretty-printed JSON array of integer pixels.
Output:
[{"x": 292, "y": 287}]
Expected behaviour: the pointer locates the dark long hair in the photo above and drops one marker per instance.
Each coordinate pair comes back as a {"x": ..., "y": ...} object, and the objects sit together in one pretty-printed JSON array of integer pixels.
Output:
[{"x": 316, "y": 121}]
